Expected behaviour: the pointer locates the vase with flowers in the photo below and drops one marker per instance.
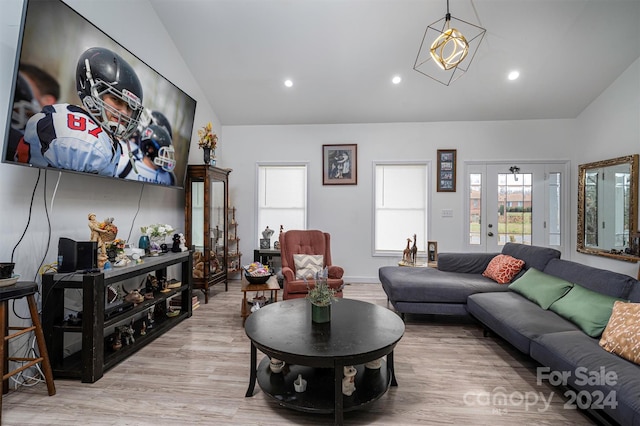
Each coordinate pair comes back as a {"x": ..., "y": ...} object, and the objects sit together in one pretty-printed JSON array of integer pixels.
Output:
[
  {"x": 208, "y": 142},
  {"x": 157, "y": 234},
  {"x": 321, "y": 296}
]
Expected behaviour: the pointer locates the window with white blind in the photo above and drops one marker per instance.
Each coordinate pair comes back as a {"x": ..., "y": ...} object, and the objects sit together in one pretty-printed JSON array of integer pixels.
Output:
[
  {"x": 282, "y": 197},
  {"x": 400, "y": 208}
]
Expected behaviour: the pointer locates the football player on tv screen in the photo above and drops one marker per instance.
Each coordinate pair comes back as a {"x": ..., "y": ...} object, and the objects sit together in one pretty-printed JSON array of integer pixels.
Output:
[
  {"x": 86, "y": 138},
  {"x": 153, "y": 161}
]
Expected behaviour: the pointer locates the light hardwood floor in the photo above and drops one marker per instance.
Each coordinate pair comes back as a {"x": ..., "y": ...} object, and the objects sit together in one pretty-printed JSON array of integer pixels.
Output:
[{"x": 198, "y": 372}]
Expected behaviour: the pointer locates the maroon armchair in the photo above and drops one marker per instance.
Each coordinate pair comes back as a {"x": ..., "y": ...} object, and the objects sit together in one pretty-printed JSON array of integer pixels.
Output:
[{"x": 312, "y": 242}]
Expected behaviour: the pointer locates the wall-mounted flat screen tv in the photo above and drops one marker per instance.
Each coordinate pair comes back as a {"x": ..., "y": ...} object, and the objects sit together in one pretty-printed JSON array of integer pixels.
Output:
[{"x": 85, "y": 104}]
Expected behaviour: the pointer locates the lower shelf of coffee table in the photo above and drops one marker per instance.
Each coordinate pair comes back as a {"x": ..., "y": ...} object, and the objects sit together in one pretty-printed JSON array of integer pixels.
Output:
[{"x": 370, "y": 384}]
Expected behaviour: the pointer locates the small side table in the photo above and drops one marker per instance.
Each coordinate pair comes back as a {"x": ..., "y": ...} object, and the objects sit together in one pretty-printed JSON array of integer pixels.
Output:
[
  {"x": 271, "y": 285},
  {"x": 264, "y": 256}
]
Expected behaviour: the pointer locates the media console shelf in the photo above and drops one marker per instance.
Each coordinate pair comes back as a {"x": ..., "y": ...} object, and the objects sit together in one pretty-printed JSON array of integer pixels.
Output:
[{"x": 96, "y": 354}]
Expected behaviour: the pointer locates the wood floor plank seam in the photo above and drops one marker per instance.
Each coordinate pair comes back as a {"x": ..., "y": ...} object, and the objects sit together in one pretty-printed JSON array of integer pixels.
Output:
[{"x": 197, "y": 374}]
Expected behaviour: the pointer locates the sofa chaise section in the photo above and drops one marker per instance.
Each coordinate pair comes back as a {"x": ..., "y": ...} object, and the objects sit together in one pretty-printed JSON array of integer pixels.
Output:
[{"x": 444, "y": 291}]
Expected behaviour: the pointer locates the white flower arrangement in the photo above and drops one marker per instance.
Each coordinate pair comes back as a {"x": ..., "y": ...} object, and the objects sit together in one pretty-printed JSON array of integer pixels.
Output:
[{"x": 157, "y": 230}]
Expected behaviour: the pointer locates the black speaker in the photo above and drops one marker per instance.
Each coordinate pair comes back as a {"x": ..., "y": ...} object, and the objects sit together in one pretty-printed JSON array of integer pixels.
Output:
[
  {"x": 76, "y": 255},
  {"x": 87, "y": 255}
]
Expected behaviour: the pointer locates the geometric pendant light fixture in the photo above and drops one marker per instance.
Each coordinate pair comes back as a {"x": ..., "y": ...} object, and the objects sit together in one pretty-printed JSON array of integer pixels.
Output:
[{"x": 447, "y": 48}]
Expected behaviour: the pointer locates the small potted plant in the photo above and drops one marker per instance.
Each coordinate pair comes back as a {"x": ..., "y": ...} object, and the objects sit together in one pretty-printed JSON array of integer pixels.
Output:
[{"x": 321, "y": 296}]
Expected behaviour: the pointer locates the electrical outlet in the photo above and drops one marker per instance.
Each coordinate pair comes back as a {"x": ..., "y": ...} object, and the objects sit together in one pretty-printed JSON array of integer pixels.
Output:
[{"x": 447, "y": 212}]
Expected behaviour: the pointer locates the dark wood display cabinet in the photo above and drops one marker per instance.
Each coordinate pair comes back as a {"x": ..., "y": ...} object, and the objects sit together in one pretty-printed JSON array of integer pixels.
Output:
[
  {"x": 206, "y": 213},
  {"x": 233, "y": 249},
  {"x": 96, "y": 323}
]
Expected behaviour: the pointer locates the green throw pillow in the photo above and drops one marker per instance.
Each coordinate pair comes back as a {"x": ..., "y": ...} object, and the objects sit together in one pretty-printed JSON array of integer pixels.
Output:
[
  {"x": 540, "y": 288},
  {"x": 586, "y": 308}
]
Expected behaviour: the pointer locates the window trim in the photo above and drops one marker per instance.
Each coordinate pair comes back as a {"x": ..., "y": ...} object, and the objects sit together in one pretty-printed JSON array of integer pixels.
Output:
[
  {"x": 256, "y": 200},
  {"x": 428, "y": 203}
]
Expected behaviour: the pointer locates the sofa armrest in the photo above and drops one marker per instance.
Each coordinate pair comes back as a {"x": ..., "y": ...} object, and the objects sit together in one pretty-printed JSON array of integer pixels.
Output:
[
  {"x": 469, "y": 263},
  {"x": 288, "y": 274},
  {"x": 335, "y": 271}
]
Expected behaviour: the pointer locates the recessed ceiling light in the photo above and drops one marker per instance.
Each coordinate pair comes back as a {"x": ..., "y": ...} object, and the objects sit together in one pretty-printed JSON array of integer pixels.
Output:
[
  {"x": 396, "y": 79},
  {"x": 288, "y": 83},
  {"x": 513, "y": 75}
]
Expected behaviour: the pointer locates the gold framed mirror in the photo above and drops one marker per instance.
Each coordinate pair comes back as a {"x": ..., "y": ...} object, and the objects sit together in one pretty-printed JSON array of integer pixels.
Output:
[{"x": 608, "y": 208}]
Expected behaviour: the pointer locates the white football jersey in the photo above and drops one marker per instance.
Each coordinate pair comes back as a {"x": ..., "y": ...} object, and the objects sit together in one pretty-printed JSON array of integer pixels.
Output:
[
  {"x": 141, "y": 172},
  {"x": 129, "y": 153},
  {"x": 66, "y": 137}
]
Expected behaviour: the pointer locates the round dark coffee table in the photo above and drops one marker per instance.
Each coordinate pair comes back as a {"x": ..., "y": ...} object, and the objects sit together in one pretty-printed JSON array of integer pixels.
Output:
[{"x": 358, "y": 333}]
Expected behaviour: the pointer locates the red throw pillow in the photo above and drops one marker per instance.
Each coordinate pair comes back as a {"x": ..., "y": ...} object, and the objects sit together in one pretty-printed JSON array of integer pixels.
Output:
[{"x": 503, "y": 268}]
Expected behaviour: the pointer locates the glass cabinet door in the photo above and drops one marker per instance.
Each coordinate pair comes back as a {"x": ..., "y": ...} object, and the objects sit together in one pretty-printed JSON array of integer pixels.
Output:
[
  {"x": 197, "y": 216},
  {"x": 218, "y": 227},
  {"x": 206, "y": 227}
]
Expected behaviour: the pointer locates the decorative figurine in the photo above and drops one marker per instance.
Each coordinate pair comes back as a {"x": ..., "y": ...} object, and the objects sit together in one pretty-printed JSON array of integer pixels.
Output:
[
  {"x": 276, "y": 245},
  {"x": 102, "y": 233},
  {"x": 300, "y": 384},
  {"x": 406, "y": 254},
  {"x": 267, "y": 233},
  {"x": 152, "y": 284},
  {"x": 414, "y": 250},
  {"x": 127, "y": 335},
  {"x": 349, "y": 381},
  {"x": 96, "y": 235},
  {"x": 134, "y": 297},
  {"x": 374, "y": 365},
  {"x": 179, "y": 242},
  {"x": 143, "y": 329},
  {"x": 150, "y": 318},
  {"x": 276, "y": 365},
  {"x": 117, "y": 341},
  {"x": 265, "y": 241}
]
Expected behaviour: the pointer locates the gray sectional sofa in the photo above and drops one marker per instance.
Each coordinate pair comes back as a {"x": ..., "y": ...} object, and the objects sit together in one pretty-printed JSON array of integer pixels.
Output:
[
  {"x": 607, "y": 383},
  {"x": 444, "y": 291}
]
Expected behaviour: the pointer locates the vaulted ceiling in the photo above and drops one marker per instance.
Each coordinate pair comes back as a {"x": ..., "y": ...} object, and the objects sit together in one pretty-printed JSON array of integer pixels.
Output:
[{"x": 342, "y": 54}]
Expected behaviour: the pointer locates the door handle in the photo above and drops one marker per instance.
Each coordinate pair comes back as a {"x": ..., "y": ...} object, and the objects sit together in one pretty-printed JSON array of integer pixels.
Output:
[{"x": 490, "y": 234}]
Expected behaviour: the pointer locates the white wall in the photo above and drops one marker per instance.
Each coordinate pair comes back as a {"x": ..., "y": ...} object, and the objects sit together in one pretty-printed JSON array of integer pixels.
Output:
[
  {"x": 345, "y": 211},
  {"x": 607, "y": 129},
  {"x": 78, "y": 195},
  {"x": 610, "y": 128}
]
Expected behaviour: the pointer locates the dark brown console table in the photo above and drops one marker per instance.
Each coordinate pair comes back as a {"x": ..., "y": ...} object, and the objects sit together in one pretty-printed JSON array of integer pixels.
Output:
[
  {"x": 358, "y": 332},
  {"x": 96, "y": 356}
]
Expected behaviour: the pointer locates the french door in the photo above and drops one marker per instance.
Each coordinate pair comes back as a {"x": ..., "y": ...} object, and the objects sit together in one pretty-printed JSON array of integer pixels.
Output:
[{"x": 523, "y": 203}]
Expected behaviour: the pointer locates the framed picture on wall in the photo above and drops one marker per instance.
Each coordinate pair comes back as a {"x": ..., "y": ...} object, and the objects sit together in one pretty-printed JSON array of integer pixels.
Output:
[
  {"x": 340, "y": 164},
  {"x": 446, "y": 170}
]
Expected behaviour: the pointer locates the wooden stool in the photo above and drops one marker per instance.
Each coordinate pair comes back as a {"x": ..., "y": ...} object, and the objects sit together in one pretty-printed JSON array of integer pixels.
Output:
[{"x": 17, "y": 291}]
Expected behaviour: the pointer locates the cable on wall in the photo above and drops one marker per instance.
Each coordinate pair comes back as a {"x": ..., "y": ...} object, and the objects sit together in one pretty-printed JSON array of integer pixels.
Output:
[
  {"x": 46, "y": 212},
  {"x": 55, "y": 190},
  {"x": 136, "y": 215},
  {"x": 29, "y": 217}
]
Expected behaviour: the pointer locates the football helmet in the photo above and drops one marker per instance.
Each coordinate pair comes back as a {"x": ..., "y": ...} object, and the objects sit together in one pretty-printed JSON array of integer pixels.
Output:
[
  {"x": 149, "y": 117},
  {"x": 161, "y": 120},
  {"x": 102, "y": 72},
  {"x": 25, "y": 104},
  {"x": 155, "y": 143}
]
